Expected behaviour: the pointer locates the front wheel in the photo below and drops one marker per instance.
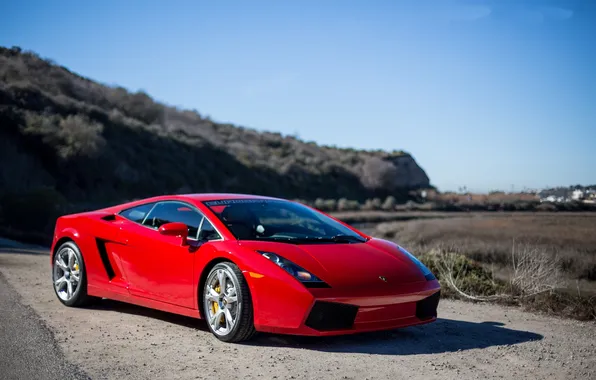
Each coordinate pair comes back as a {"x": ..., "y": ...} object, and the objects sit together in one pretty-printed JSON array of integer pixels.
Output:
[{"x": 227, "y": 305}]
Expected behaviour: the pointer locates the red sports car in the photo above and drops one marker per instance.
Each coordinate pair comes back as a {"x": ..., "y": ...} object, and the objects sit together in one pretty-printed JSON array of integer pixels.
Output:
[{"x": 244, "y": 263}]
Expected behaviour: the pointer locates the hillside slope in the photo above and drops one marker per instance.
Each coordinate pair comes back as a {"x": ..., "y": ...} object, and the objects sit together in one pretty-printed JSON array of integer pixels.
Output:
[{"x": 91, "y": 143}]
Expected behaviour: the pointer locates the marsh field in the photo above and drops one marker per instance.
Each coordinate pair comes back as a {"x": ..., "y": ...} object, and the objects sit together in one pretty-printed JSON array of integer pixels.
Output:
[{"x": 494, "y": 241}]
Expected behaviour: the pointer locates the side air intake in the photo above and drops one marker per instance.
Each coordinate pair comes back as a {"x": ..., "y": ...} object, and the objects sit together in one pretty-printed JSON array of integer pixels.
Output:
[
  {"x": 103, "y": 253},
  {"x": 427, "y": 308}
]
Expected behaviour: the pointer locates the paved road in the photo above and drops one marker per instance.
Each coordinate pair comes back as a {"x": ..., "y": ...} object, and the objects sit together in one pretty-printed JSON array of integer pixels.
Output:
[{"x": 27, "y": 347}]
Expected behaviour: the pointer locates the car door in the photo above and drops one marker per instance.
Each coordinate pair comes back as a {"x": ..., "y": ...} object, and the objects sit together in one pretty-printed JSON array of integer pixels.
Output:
[{"x": 158, "y": 266}]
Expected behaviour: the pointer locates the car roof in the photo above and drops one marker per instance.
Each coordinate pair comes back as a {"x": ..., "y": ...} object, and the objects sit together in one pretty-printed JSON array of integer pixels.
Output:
[
  {"x": 196, "y": 197},
  {"x": 223, "y": 196}
]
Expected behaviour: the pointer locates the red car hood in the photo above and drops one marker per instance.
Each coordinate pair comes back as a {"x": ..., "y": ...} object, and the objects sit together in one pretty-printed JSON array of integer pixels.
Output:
[{"x": 347, "y": 265}]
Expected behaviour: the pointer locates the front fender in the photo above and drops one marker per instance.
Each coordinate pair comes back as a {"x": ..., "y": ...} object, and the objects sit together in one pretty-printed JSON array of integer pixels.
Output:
[{"x": 278, "y": 299}]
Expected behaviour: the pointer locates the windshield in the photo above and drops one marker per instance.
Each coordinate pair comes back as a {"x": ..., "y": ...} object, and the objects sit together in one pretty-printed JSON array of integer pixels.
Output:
[{"x": 279, "y": 220}]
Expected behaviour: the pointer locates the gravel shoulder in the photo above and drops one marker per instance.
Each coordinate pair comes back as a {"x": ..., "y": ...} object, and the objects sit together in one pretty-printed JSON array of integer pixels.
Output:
[{"x": 113, "y": 340}]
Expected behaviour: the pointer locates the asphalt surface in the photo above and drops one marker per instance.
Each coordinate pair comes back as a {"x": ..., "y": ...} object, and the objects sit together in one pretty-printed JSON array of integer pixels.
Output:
[{"x": 28, "y": 349}]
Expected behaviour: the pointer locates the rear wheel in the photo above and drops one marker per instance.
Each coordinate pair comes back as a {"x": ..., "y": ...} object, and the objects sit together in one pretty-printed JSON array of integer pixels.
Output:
[
  {"x": 227, "y": 305},
  {"x": 69, "y": 276}
]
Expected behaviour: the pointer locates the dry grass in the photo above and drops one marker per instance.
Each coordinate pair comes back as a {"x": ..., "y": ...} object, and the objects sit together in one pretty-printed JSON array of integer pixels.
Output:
[
  {"x": 533, "y": 272},
  {"x": 374, "y": 216},
  {"x": 534, "y": 282},
  {"x": 488, "y": 237},
  {"x": 495, "y": 197}
]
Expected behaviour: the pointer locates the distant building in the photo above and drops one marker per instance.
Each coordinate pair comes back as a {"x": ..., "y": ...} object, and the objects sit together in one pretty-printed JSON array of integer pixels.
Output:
[{"x": 577, "y": 195}]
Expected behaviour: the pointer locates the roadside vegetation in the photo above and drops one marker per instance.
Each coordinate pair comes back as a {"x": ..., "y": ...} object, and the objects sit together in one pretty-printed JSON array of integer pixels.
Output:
[
  {"x": 542, "y": 261},
  {"x": 534, "y": 282}
]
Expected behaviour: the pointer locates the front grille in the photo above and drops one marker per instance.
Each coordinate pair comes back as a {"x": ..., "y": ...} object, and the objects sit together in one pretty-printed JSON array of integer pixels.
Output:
[
  {"x": 331, "y": 316},
  {"x": 427, "y": 308}
]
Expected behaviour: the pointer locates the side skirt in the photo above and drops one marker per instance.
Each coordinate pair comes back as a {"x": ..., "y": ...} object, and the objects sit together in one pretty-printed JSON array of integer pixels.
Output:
[{"x": 144, "y": 302}]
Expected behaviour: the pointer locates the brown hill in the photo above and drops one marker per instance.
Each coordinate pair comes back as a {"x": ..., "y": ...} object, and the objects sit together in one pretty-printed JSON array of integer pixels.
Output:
[{"x": 70, "y": 138}]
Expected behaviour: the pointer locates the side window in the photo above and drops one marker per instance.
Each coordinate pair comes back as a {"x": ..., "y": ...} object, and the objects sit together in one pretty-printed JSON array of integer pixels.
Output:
[
  {"x": 208, "y": 231},
  {"x": 167, "y": 212},
  {"x": 138, "y": 213}
]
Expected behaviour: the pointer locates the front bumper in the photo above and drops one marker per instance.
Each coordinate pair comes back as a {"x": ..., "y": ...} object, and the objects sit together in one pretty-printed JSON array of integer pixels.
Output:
[{"x": 331, "y": 314}]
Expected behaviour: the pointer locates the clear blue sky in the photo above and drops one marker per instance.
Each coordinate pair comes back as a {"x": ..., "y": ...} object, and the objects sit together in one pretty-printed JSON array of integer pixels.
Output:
[{"x": 486, "y": 94}]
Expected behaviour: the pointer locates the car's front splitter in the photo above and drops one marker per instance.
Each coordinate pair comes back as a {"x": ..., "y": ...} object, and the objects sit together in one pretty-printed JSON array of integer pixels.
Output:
[{"x": 327, "y": 316}]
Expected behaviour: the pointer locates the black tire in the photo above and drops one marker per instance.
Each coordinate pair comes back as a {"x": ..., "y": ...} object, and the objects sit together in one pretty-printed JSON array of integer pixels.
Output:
[
  {"x": 243, "y": 328},
  {"x": 79, "y": 297}
]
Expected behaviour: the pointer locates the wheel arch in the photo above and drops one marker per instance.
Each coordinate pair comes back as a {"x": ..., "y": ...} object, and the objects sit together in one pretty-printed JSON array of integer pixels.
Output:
[
  {"x": 59, "y": 243},
  {"x": 66, "y": 234},
  {"x": 205, "y": 272}
]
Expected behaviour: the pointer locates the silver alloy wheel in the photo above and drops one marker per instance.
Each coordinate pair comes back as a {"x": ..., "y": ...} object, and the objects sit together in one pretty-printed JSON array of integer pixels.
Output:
[
  {"x": 221, "y": 301},
  {"x": 66, "y": 273}
]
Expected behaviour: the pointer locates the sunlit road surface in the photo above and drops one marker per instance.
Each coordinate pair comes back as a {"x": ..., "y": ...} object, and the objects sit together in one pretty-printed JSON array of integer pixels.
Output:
[{"x": 42, "y": 339}]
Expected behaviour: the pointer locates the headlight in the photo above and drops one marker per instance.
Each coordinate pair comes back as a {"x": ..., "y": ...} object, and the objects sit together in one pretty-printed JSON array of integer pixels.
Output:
[
  {"x": 297, "y": 272},
  {"x": 425, "y": 271}
]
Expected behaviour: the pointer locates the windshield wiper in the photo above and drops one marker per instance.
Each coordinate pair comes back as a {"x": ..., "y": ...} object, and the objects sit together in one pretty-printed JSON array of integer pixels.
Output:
[
  {"x": 348, "y": 238},
  {"x": 341, "y": 238},
  {"x": 274, "y": 238},
  {"x": 315, "y": 239}
]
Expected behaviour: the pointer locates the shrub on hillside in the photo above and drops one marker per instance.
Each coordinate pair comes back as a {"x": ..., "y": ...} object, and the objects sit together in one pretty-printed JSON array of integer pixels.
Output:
[
  {"x": 72, "y": 136},
  {"x": 379, "y": 174},
  {"x": 80, "y": 136}
]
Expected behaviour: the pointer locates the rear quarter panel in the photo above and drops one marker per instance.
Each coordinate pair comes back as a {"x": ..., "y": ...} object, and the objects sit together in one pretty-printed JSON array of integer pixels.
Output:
[{"x": 83, "y": 229}]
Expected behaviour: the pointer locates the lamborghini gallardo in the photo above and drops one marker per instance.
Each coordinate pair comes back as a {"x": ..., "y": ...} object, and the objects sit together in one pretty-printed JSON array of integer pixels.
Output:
[{"x": 244, "y": 264}]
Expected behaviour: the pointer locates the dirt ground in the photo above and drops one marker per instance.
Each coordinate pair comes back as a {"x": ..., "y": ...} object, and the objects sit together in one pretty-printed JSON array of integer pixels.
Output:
[{"x": 469, "y": 341}]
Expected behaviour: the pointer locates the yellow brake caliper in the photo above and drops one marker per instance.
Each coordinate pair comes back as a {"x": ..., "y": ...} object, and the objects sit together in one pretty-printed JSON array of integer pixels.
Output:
[{"x": 214, "y": 305}]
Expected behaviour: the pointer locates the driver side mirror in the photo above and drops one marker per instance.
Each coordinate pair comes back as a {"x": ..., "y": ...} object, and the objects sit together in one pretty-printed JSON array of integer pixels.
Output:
[{"x": 175, "y": 229}]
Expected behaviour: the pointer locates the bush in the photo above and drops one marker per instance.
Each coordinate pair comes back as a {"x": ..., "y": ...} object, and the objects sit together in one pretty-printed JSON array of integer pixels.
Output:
[
  {"x": 469, "y": 276},
  {"x": 80, "y": 136},
  {"x": 74, "y": 135},
  {"x": 326, "y": 204},
  {"x": 319, "y": 203},
  {"x": 379, "y": 174},
  {"x": 389, "y": 204},
  {"x": 548, "y": 207},
  {"x": 576, "y": 306},
  {"x": 344, "y": 204},
  {"x": 372, "y": 204},
  {"x": 533, "y": 284},
  {"x": 330, "y": 205}
]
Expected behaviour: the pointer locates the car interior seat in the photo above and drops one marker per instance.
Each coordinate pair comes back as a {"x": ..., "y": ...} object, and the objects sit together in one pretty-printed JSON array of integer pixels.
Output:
[{"x": 240, "y": 220}]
